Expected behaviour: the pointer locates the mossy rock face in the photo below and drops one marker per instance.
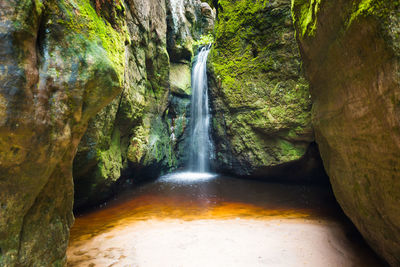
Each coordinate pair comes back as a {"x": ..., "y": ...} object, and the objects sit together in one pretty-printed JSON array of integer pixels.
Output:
[
  {"x": 142, "y": 133},
  {"x": 157, "y": 141},
  {"x": 261, "y": 102},
  {"x": 61, "y": 62},
  {"x": 103, "y": 152},
  {"x": 351, "y": 53}
]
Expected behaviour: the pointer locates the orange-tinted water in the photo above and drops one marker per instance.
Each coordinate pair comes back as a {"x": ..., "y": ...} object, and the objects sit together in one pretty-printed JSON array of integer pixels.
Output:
[{"x": 170, "y": 201}]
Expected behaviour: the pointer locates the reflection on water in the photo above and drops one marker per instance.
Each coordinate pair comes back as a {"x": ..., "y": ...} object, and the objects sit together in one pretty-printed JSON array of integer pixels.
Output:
[
  {"x": 189, "y": 197},
  {"x": 183, "y": 197}
]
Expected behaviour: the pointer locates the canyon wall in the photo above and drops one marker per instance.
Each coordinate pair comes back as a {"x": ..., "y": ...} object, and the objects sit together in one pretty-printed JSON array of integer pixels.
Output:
[
  {"x": 120, "y": 133},
  {"x": 60, "y": 63},
  {"x": 261, "y": 101},
  {"x": 351, "y": 54}
]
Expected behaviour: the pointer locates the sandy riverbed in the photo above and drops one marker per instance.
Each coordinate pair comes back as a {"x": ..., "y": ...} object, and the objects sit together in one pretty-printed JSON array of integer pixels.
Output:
[
  {"x": 218, "y": 222},
  {"x": 238, "y": 242}
]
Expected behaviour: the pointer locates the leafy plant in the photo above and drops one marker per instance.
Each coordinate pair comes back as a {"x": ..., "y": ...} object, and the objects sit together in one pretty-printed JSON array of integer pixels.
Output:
[{"x": 204, "y": 40}]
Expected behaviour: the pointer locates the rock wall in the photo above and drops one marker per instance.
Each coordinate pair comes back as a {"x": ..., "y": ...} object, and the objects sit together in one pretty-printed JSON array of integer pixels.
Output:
[
  {"x": 261, "y": 102},
  {"x": 351, "y": 53},
  {"x": 187, "y": 20},
  {"x": 120, "y": 132},
  {"x": 60, "y": 63},
  {"x": 142, "y": 132}
]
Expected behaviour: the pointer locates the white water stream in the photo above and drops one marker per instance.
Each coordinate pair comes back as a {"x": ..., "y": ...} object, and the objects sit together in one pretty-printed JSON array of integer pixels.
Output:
[{"x": 200, "y": 142}]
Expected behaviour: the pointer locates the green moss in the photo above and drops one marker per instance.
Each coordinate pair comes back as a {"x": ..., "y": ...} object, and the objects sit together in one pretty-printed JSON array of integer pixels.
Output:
[
  {"x": 256, "y": 63},
  {"x": 305, "y": 12},
  {"x": 110, "y": 161},
  {"x": 366, "y": 8},
  {"x": 160, "y": 146},
  {"x": 83, "y": 19},
  {"x": 290, "y": 152},
  {"x": 246, "y": 50},
  {"x": 138, "y": 144},
  {"x": 203, "y": 40},
  {"x": 306, "y": 16}
]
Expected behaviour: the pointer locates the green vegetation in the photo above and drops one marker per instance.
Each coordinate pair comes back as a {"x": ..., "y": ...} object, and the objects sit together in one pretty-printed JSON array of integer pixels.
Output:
[
  {"x": 95, "y": 28},
  {"x": 305, "y": 12},
  {"x": 307, "y": 15},
  {"x": 380, "y": 8},
  {"x": 204, "y": 40}
]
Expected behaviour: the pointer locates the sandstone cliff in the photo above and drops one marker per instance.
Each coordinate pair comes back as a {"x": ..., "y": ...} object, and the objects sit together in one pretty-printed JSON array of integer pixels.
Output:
[{"x": 351, "y": 53}]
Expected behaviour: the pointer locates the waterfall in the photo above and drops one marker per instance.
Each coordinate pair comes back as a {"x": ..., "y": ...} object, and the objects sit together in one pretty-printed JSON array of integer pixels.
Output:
[{"x": 200, "y": 142}]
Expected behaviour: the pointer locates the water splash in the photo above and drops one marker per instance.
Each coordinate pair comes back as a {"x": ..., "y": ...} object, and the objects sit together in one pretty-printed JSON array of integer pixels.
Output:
[
  {"x": 200, "y": 143},
  {"x": 187, "y": 177}
]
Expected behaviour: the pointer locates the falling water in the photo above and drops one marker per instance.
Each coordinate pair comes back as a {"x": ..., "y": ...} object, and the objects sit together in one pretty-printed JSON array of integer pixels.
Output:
[{"x": 200, "y": 143}]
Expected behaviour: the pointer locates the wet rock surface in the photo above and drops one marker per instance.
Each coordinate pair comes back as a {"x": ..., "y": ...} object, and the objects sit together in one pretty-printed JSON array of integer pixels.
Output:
[{"x": 118, "y": 137}]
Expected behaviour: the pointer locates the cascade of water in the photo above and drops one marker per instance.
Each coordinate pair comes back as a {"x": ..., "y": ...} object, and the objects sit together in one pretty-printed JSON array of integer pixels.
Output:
[{"x": 200, "y": 143}]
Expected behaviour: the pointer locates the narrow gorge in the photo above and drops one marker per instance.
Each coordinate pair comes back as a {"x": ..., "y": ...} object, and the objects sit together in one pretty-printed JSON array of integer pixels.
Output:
[{"x": 199, "y": 133}]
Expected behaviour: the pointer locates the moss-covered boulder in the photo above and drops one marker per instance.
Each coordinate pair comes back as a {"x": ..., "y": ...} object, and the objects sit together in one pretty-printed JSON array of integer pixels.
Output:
[
  {"x": 60, "y": 63},
  {"x": 351, "y": 53},
  {"x": 261, "y": 102}
]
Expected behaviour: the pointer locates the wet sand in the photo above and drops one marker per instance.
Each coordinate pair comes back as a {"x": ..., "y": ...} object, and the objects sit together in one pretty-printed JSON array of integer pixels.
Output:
[{"x": 218, "y": 222}]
